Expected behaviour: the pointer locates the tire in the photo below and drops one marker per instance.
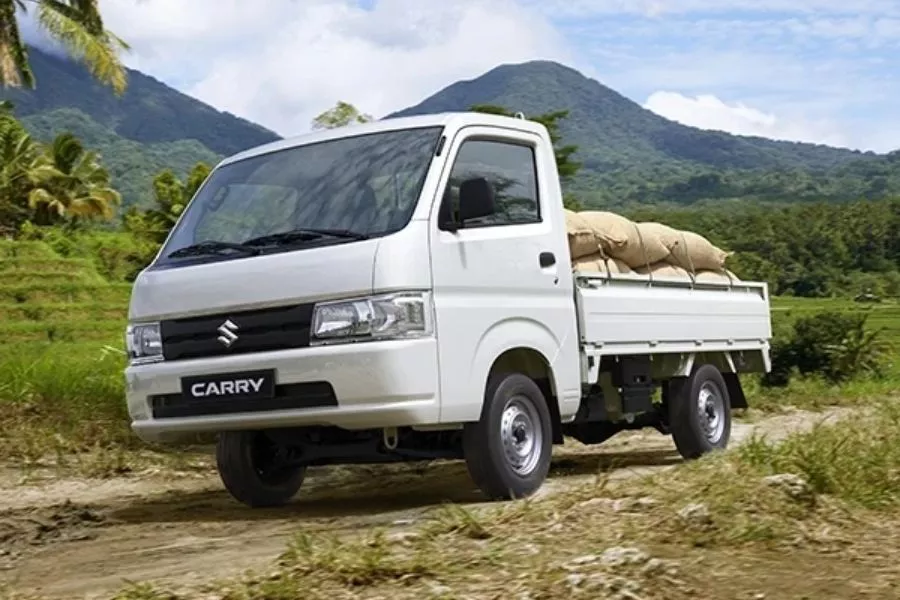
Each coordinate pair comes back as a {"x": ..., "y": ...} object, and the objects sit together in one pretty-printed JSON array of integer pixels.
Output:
[
  {"x": 501, "y": 463},
  {"x": 700, "y": 413},
  {"x": 245, "y": 463}
]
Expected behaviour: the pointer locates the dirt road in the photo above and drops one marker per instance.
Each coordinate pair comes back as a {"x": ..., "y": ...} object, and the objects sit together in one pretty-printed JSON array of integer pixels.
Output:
[{"x": 73, "y": 538}]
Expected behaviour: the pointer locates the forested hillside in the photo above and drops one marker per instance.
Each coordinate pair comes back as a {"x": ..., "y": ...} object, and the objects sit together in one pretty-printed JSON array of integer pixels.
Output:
[
  {"x": 149, "y": 111},
  {"x": 150, "y": 128},
  {"x": 631, "y": 155}
]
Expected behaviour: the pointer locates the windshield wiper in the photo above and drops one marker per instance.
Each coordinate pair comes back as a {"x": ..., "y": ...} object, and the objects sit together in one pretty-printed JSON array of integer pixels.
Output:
[
  {"x": 211, "y": 247},
  {"x": 297, "y": 235}
]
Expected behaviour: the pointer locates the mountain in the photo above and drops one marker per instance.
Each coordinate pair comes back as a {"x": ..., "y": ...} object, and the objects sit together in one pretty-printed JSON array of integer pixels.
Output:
[
  {"x": 630, "y": 154},
  {"x": 151, "y": 127}
]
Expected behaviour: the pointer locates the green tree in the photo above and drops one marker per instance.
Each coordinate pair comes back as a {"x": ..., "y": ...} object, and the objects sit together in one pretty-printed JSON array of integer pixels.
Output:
[
  {"x": 340, "y": 115},
  {"x": 76, "y": 24},
  {"x": 565, "y": 164},
  {"x": 70, "y": 184},
  {"x": 171, "y": 196}
]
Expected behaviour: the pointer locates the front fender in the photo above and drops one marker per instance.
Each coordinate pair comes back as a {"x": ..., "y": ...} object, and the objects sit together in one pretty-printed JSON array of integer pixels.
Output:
[{"x": 505, "y": 335}]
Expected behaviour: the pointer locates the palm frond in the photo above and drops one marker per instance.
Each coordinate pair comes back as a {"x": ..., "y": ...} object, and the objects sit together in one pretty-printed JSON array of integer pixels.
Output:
[
  {"x": 41, "y": 197},
  {"x": 76, "y": 30}
]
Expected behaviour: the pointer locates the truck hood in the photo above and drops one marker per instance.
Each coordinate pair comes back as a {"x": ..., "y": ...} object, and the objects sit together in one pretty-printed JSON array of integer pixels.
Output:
[{"x": 306, "y": 275}]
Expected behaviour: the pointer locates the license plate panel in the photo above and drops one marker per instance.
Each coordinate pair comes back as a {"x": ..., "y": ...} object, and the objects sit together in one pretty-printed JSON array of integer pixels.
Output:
[{"x": 244, "y": 385}]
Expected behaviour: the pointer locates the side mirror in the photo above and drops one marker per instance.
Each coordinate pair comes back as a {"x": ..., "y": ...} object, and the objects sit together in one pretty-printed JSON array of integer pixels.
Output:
[{"x": 476, "y": 199}]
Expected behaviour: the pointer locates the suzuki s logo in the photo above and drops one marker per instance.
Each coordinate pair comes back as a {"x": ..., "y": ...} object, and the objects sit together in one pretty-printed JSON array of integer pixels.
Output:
[{"x": 227, "y": 331}]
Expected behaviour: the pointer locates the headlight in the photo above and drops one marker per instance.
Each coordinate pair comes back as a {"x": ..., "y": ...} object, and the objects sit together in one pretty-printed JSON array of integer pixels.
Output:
[
  {"x": 144, "y": 343},
  {"x": 389, "y": 316}
]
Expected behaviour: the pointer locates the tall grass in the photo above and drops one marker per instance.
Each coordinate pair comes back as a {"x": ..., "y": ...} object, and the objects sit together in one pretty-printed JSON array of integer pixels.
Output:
[
  {"x": 59, "y": 396},
  {"x": 857, "y": 460}
]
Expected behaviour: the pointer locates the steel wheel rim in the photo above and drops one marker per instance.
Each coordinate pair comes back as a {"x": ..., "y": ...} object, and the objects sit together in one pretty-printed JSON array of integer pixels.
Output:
[
  {"x": 711, "y": 411},
  {"x": 521, "y": 435}
]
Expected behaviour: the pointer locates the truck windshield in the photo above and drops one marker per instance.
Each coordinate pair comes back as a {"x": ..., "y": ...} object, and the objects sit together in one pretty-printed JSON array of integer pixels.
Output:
[{"x": 336, "y": 191}]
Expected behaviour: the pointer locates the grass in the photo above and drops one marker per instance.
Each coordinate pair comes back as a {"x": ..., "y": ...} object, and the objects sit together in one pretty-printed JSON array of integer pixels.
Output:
[{"x": 63, "y": 396}]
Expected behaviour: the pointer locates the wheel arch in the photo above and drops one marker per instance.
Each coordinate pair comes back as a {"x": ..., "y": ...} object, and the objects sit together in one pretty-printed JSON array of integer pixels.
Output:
[
  {"x": 533, "y": 364},
  {"x": 674, "y": 369},
  {"x": 518, "y": 345}
]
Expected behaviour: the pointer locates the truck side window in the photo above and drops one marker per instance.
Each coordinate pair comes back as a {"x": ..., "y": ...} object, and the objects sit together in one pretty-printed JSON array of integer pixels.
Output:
[{"x": 510, "y": 168}]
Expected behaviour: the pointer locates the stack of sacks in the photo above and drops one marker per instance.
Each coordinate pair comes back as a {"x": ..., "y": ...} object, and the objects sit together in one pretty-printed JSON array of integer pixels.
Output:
[{"x": 610, "y": 243}]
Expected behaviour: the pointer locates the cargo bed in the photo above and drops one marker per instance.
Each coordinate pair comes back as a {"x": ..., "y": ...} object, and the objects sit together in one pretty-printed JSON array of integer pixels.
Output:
[{"x": 630, "y": 313}]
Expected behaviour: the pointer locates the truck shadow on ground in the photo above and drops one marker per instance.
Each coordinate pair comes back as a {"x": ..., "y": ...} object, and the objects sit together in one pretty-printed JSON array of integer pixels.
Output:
[{"x": 369, "y": 491}]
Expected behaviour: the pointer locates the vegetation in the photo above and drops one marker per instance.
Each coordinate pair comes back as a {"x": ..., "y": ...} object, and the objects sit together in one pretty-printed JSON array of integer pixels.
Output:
[{"x": 340, "y": 115}]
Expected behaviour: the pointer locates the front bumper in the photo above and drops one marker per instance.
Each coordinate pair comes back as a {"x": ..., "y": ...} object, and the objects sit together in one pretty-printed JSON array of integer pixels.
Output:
[{"x": 376, "y": 384}]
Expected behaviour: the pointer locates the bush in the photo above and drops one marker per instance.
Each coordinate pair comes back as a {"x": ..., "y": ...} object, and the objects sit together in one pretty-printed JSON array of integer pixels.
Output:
[{"x": 835, "y": 345}]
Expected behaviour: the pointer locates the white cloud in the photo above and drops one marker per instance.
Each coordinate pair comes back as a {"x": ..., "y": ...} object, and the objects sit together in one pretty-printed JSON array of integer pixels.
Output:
[
  {"x": 281, "y": 62},
  {"x": 706, "y": 111},
  {"x": 582, "y": 8}
]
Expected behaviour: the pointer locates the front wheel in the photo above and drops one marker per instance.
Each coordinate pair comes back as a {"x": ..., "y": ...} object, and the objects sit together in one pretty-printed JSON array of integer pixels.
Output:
[
  {"x": 255, "y": 470},
  {"x": 508, "y": 451},
  {"x": 700, "y": 413}
]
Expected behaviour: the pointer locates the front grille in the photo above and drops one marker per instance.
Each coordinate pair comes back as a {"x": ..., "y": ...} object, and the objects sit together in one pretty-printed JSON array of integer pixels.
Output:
[
  {"x": 288, "y": 396},
  {"x": 278, "y": 328}
]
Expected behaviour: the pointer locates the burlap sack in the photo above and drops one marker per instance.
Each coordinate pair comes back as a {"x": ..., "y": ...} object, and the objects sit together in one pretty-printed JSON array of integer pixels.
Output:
[
  {"x": 665, "y": 270},
  {"x": 612, "y": 231},
  {"x": 582, "y": 240},
  {"x": 696, "y": 253},
  {"x": 647, "y": 243},
  {"x": 599, "y": 263},
  {"x": 724, "y": 276}
]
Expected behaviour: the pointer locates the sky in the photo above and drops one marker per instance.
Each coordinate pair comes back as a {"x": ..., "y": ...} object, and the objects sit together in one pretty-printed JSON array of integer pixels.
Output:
[{"x": 822, "y": 71}]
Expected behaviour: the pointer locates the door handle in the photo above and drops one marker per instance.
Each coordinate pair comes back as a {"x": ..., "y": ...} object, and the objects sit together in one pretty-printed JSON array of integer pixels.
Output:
[{"x": 546, "y": 259}]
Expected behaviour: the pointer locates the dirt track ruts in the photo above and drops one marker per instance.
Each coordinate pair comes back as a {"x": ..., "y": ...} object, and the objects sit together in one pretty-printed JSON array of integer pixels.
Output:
[{"x": 72, "y": 538}]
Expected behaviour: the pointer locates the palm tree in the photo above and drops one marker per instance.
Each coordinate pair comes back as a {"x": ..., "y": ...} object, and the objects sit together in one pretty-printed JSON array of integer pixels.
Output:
[
  {"x": 18, "y": 169},
  {"x": 71, "y": 183},
  {"x": 76, "y": 24}
]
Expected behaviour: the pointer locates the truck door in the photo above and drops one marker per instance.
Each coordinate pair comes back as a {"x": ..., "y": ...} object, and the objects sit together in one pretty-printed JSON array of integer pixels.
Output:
[{"x": 502, "y": 281}]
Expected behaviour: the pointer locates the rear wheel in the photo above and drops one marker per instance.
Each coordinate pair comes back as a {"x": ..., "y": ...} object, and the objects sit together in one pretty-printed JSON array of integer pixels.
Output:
[
  {"x": 700, "y": 413},
  {"x": 508, "y": 451},
  {"x": 256, "y": 470}
]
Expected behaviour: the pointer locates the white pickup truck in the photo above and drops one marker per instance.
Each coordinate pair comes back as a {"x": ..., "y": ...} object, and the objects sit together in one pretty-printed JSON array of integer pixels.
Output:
[{"x": 403, "y": 290}]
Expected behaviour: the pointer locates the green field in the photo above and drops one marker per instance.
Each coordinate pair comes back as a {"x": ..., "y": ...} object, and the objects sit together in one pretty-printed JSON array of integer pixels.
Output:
[
  {"x": 62, "y": 354},
  {"x": 47, "y": 298},
  {"x": 883, "y": 315}
]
